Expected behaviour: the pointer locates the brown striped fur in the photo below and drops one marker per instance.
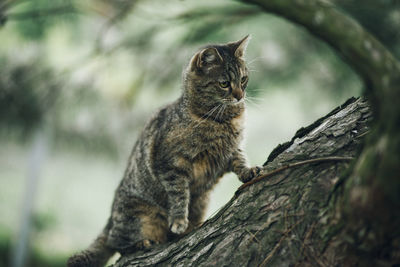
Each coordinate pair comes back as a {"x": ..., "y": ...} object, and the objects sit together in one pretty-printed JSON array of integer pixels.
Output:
[{"x": 181, "y": 154}]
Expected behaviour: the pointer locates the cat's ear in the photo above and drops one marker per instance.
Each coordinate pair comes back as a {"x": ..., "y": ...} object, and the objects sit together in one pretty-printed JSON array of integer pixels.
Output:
[
  {"x": 239, "y": 47},
  {"x": 206, "y": 58}
]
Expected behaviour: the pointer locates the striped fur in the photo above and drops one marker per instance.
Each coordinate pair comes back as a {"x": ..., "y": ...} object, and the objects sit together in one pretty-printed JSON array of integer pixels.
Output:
[{"x": 181, "y": 154}]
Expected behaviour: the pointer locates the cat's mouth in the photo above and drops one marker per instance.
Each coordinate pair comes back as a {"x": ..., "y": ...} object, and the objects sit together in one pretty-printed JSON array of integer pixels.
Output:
[{"x": 233, "y": 101}]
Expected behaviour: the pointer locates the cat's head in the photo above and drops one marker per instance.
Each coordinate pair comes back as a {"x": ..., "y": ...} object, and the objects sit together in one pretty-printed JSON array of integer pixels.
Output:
[{"x": 218, "y": 73}]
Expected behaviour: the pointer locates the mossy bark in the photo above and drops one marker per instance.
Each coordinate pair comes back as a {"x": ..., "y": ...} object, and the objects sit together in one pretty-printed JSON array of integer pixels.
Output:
[{"x": 325, "y": 214}]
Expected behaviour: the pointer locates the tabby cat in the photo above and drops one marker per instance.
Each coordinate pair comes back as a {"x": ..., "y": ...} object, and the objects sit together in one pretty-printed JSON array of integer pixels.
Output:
[{"x": 180, "y": 155}]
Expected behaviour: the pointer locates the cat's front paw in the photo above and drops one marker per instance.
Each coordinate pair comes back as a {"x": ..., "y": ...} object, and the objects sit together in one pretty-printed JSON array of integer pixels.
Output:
[
  {"x": 179, "y": 225},
  {"x": 250, "y": 173}
]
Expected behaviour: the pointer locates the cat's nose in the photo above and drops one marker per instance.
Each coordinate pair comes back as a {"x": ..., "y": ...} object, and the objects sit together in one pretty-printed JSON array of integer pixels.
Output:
[{"x": 237, "y": 93}]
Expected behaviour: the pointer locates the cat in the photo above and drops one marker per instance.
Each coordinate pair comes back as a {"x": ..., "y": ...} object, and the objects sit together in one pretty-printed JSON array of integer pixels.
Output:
[{"x": 181, "y": 154}]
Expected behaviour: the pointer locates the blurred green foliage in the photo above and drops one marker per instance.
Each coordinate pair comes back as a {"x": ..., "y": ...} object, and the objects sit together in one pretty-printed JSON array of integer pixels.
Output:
[
  {"x": 36, "y": 259},
  {"x": 25, "y": 99},
  {"x": 35, "y": 17},
  {"x": 119, "y": 33},
  {"x": 29, "y": 89}
]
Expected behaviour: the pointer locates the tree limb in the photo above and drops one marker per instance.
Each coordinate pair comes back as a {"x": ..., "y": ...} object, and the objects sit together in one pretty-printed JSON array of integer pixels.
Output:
[
  {"x": 273, "y": 221},
  {"x": 292, "y": 165},
  {"x": 370, "y": 196}
]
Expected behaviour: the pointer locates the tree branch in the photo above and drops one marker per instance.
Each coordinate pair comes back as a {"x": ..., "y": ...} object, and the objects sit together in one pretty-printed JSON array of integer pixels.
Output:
[
  {"x": 39, "y": 13},
  {"x": 367, "y": 56},
  {"x": 292, "y": 165},
  {"x": 372, "y": 186},
  {"x": 270, "y": 221}
]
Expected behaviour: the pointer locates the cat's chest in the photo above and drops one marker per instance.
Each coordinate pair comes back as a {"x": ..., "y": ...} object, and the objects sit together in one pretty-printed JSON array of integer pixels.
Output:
[
  {"x": 213, "y": 148},
  {"x": 205, "y": 172},
  {"x": 215, "y": 141},
  {"x": 213, "y": 135}
]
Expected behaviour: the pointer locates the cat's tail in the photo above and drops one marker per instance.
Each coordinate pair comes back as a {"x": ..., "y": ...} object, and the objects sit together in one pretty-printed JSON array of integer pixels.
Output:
[{"x": 96, "y": 255}]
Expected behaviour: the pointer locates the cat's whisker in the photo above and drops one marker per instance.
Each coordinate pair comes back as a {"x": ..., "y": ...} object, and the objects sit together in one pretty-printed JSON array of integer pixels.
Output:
[
  {"x": 252, "y": 102},
  {"x": 219, "y": 111},
  {"x": 253, "y": 70},
  {"x": 199, "y": 121},
  {"x": 206, "y": 116},
  {"x": 253, "y": 98},
  {"x": 209, "y": 113},
  {"x": 223, "y": 110},
  {"x": 256, "y": 90},
  {"x": 255, "y": 60},
  {"x": 213, "y": 110}
]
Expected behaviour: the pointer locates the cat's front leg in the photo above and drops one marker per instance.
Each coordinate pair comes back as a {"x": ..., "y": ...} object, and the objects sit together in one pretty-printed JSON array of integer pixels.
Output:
[
  {"x": 177, "y": 188},
  {"x": 240, "y": 167}
]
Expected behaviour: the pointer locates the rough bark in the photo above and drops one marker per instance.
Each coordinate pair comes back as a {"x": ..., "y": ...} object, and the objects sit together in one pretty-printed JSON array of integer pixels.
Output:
[
  {"x": 365, "y": 215},
  {"x": 277, "y": 220},
  {"x": 325, "y": 214}
]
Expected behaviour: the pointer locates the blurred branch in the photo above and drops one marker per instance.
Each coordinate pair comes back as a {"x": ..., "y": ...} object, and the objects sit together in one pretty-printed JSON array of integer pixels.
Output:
[
  {"x": 106, "y": 27},
  {"x": 121, "y": 11},
  {"x": 3, "y": 18},
  {"x": 372, "y": 5},
  {"x": 36, "y": 161},
  {"x": 218, "y": 11},
  {"x": 205, "y": 21},
  {"x": 359, "y": 48},
  {"x": 54, "y": 11},
  {"x": 9, "y": 3}
]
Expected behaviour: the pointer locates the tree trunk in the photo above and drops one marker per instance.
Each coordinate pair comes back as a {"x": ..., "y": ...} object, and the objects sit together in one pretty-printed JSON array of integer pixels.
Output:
[
  {"x": 331, "y": 212},
  {"x": 364, "y": 217}
]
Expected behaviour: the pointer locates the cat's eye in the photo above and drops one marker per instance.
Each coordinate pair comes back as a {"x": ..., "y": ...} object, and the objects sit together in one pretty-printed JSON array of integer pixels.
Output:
[
  {"x": 244, "y": 79},
  {"x": 224, "y": 84}
]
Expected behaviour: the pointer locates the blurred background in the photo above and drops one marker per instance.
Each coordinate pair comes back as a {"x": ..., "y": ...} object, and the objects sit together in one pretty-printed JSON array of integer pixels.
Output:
[{"x": 78, "y": 80}]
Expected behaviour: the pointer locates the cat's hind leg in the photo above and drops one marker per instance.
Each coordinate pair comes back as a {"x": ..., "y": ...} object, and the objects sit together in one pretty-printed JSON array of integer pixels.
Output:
[{"x": 136, "y": 226}]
